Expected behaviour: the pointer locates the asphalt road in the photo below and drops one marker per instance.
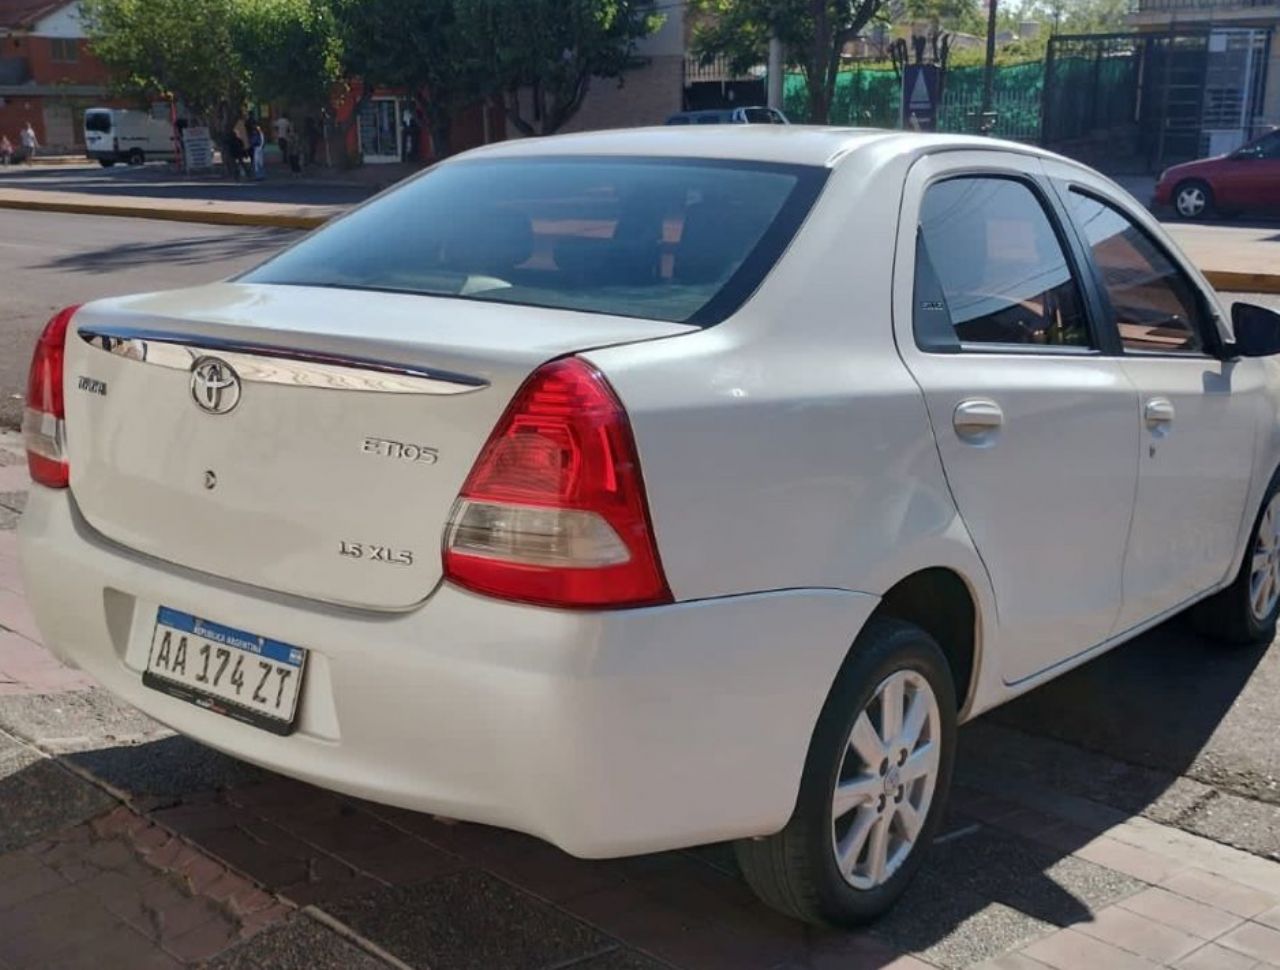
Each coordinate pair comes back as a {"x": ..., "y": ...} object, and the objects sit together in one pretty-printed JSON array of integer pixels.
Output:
[{"x": 48, "y": 261}]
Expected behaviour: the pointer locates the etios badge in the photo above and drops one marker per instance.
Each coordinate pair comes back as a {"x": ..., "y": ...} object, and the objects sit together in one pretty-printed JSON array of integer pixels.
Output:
[{"x": 215, "y": 387}]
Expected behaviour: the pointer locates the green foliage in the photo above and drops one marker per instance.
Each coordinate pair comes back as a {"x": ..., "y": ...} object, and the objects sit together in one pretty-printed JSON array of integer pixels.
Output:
[
  {"x": 813, "y": 34},
  {"x": 1077, "y": 16},
  {"x": 214, "y": 54},
  {"x": 417, "y": 45},
  {"x": 550, "y": 50},
  {"x": 170, "y": 48},
  {"x": 966, "y": 16},
  {"x": 290, "y": 48}
]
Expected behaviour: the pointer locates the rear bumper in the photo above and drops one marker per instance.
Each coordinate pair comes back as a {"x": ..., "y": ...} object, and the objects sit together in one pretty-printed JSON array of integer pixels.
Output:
[{"x": 604, "y": 733}]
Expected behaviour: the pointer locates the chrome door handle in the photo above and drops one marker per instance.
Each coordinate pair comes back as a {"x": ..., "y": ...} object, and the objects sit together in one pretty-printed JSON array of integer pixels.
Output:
[
  {"x": 1158, "y": 413},
  {"x": 977, "y": 419}
]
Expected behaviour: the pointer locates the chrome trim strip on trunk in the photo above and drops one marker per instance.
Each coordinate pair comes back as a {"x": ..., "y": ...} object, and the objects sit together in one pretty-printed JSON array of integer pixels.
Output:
[{"x": 267, "y": 364}]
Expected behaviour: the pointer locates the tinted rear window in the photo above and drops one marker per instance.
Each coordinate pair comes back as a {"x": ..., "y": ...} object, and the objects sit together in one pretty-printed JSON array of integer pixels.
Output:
[
  {"x": 684, "y": 241},
  {"x": 97, "y": 121}
]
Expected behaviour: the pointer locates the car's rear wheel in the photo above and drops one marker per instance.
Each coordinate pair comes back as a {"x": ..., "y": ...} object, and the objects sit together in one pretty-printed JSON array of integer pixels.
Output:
[
  {"x": 874, "y": 786},
  {"x": 106, "y": 162},
  {"x": 1246, "y": 611},
  {"x": 136, "y": 157},
  {"x": 1193, "y": 199}
]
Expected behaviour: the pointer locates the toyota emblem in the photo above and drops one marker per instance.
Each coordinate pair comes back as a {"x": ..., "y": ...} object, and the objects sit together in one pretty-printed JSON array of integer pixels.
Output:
[{"x": 215, "y": 387}]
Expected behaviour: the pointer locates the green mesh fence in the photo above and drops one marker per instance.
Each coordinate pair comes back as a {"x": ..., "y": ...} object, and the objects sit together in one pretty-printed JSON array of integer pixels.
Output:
[
  {"x": 1091, "y": 93},
  {"x": 873, "y": 98}
]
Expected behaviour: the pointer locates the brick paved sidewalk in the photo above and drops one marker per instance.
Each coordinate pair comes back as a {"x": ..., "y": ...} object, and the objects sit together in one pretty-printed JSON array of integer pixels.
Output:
[{"x": 122, "y": 845}]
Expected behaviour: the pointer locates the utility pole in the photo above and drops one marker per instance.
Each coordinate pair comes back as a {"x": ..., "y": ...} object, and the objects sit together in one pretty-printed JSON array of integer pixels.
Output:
[
  {"x": 775, "y": 71},
  {"x": 989, "y": 72}
]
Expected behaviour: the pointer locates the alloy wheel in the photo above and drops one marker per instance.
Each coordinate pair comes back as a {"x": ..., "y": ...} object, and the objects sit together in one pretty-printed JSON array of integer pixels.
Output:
[
  {"x": 886, "y": 781},
  {"x": 1191, "y": 201},
  {"x": 1264, "y": 571}
]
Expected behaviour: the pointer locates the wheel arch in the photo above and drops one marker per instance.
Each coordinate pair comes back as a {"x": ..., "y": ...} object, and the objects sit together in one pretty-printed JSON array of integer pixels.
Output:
[{"x": 943, "y": 604}]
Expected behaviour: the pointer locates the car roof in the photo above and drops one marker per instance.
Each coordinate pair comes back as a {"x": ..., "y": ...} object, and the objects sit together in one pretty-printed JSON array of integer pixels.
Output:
[{"x": 787, "y": 144}]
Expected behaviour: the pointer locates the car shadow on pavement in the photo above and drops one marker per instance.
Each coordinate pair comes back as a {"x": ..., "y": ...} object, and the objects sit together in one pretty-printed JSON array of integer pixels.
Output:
[
  {"x": 194, "y": 251},
  {"x": 1112, "y": 740}
]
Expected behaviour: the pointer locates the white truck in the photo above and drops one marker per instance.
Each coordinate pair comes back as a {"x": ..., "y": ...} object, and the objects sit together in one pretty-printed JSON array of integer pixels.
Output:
[{"x": 118, "y": 135}]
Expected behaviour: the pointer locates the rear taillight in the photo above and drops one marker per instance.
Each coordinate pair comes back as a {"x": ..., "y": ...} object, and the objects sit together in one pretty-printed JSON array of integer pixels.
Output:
[
  {"x": 554, "y": 511},
  {"x": 43, "y": 421}
]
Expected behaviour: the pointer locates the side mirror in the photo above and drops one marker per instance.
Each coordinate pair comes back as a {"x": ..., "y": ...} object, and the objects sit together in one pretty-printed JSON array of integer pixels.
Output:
[{"x": 1257, "y": 330}]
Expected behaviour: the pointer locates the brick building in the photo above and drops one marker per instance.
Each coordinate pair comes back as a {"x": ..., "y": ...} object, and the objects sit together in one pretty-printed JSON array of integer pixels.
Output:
[{"x": 47, "y": 75}]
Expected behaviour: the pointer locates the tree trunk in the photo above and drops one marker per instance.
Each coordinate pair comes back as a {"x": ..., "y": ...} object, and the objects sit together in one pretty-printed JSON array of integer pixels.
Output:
[
  {"x": 819, "y": 59},
  {"x": 562, "y": 111},
  {"x": 442, "y": 136}
]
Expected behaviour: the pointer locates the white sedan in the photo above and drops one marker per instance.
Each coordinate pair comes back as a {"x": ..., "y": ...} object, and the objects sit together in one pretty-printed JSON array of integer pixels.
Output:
[{"x": 651, "y": 488}]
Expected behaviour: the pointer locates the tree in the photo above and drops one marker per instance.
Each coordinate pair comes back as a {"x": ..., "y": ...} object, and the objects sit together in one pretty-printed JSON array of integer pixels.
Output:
[
  {"x": 551, "y": 49},
  {"x": 416, "y": 45},
  {"x": 968, "y": 16},
  {"x": 1078, "y": 16},
  {"x": 180, "y": 49},
  {"x": 290, "y": 49},
  {"x": 814, "y": 34}
]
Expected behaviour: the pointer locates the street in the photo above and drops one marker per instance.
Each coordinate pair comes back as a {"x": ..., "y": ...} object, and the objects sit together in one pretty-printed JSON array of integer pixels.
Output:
[
  {"x": 48, "y": 262},
  {"x": 1143, "y": 786}
]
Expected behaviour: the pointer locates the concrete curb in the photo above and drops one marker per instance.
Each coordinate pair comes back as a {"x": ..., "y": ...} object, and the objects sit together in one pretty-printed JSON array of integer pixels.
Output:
[
  {"x": 207, "y": 216},
  {"x": 1227, "y": 281}
]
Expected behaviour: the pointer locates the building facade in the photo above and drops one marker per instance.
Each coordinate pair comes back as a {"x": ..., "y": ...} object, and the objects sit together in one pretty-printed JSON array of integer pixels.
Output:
[
  {"x": 1225, "y": 69},
  {"x": 47, "y": 75}
]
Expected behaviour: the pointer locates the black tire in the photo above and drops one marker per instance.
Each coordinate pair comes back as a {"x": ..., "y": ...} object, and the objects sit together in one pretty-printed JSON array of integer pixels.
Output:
[
  {"x": 795, "y": 870},
  {"x": 136, "y": 157},
  {"x": 106, "y": 162},
  {"x": 1193, "y": 185},
  {"x": 1227, "y": 616}
]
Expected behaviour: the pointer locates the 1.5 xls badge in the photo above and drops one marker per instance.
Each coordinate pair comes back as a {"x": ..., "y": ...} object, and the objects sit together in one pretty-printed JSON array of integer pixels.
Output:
[{"x": 375, "y": 553}]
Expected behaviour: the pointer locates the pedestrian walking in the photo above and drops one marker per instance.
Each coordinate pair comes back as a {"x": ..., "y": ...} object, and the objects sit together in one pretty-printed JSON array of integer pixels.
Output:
[
  {"x": 311, "y": 135},
  {"x": 234, "y": 154},
  {"x": 257, "y": 143},
  {"x": 285, "y": 140},
  {"x": 29, "y": 143},
  {"x": 6, "y": 150}
]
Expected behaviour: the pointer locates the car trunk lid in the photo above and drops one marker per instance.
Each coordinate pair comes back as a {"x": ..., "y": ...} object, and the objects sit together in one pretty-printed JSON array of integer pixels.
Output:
[{"x": 305, "y": 440}]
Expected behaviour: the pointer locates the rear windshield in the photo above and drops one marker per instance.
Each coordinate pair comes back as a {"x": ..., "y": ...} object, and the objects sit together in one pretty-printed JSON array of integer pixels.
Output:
[
  {"x": 685, "y": 241},
  {"x": 97, "y": 121}
]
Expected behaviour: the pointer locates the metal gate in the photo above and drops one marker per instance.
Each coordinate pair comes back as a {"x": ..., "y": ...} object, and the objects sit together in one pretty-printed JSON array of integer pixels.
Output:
[{"x": 1140, "y": 102}]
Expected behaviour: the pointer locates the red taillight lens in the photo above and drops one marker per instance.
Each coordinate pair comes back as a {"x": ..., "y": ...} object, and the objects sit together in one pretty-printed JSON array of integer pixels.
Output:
[
  {"x": 43, "y": 420},
  {"x": 554, "y": 511}
]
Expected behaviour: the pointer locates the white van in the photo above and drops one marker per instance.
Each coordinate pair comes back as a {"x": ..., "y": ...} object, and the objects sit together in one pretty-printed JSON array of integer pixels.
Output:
[{"x": 115, "y": 135}]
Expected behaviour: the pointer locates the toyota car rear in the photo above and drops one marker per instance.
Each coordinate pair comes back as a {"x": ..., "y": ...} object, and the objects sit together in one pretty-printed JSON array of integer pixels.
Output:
[{"x": 370, "y": 515}]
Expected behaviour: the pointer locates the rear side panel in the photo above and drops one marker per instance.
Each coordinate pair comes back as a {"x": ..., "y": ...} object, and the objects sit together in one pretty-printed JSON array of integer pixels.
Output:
[{"x": 789, "y": 447}]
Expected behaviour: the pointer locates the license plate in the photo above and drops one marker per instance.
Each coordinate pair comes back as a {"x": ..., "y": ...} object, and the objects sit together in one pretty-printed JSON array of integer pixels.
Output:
[{"x": 242, "y": 675}]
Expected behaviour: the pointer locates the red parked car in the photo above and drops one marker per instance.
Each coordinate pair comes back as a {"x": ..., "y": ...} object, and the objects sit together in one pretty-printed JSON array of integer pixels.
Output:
[{"x": 1247, "y": 180}]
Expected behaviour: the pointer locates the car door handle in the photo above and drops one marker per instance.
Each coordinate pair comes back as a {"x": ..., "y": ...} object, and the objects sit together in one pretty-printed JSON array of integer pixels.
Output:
[
  {"x": 1158, "y": 413},
  {"x": 977, "y": 420}
]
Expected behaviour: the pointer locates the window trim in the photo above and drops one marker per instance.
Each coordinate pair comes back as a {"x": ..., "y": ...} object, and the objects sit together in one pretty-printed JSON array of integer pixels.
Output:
[
  {"x": 1057, "y": 219},
  {"x": 1210, "y": 340}
]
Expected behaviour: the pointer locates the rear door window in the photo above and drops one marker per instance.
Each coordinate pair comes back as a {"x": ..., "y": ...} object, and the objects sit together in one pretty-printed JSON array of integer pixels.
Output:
[
  {"x": 99, "y": 121},
  {"x": 992, "y": 270},
  {"x": 683, "y": 240}
]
